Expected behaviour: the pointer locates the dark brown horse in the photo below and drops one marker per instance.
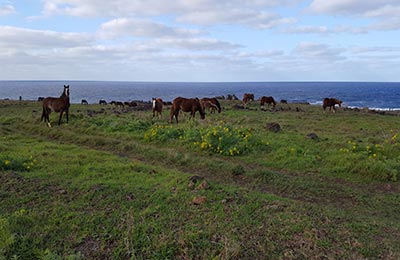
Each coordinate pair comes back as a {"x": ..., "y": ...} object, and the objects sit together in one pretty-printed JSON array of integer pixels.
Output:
[
  {"x": 247, "y": 97},
  {"x": 191, "y": 105},
  {"x": 211, "y": 103},
  {"x": 269, "y": 100},
  {"x": 331, "y": 102},
  {"x": 60, "y": 104},
  {"x": 157, "y": 106}
]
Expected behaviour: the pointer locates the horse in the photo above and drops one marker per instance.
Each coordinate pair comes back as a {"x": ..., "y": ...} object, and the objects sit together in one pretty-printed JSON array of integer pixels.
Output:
[
  {"x": 157, "y": 106},
  {"x": 102, "y": 102},
  {"x": 84, "y": 102},
  {"x": 191, "y": 105},
  {"x": 211, "y": 103},
  {"x": 331, "y": 102},
  {"x": 60, "y": 104},
  {"x": 247, "y": 97},
  {"x": 269, "y": 100}
]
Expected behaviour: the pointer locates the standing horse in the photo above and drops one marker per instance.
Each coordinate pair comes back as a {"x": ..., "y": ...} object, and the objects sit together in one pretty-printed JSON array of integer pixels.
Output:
[
  {"x": 191, "y": 105},
  {"x": 211, "y": 103},
  {"x": 157, "y": 106},
  {"x": 331, "y": 102},
  {"x": 247, "y": 97},
  {"x": 269, "y": 100},
  {"x": 60, "y": 104}
]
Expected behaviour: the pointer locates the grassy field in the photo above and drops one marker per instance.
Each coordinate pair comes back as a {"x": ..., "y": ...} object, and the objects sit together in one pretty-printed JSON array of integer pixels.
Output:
[{"x": 114, "y": 183}]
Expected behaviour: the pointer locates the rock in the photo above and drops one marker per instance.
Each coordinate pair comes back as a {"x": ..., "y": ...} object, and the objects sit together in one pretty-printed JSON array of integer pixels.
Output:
[
  {"x": 203, "y": 185},
  {"x": 199, "y": 200},
  {"x": 313, "y": 136},
  {"x": 274, "y": 127},
  {"x": 193, "y": 180}
]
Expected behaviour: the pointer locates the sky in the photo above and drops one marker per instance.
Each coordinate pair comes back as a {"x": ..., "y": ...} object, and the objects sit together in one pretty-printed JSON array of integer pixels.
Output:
[{"x": 200, "y": 40}]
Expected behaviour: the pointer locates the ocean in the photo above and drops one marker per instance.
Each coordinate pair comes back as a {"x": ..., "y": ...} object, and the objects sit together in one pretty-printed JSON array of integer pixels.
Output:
[{"x": 374, "y": 95}]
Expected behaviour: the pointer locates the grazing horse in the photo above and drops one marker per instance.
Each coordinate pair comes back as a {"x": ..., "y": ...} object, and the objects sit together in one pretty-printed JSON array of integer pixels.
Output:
[
  {"x": 331, "y": 102},
  {"x": 60, "y": 104},
  {"x": 102, "y": 102},
  {"x": 269, "y": 100},
  {"x": 157, "y": 106},
  {"x": 247, "y": 97},
  {"x": 84, "y": 102},
  {"x": 211, "y": 103},
  {"x": 191, "y": 105}
]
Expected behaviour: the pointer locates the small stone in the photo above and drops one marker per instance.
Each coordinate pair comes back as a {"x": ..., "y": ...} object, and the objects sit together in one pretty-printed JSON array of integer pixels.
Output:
[
  {"x": 199, "y": 200},
  {"x": 313, "y": 136},
  {"x": 203, "y": 185},
  {"x": 274, "y": 127}
]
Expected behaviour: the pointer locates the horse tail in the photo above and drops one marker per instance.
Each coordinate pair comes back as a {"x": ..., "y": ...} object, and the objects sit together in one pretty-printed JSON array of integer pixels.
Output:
[{"x": 43, "y": 114}]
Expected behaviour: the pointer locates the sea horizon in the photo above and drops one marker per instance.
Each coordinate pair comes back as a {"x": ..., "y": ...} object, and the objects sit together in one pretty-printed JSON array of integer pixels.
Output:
[{"x": 360, "y": 94}]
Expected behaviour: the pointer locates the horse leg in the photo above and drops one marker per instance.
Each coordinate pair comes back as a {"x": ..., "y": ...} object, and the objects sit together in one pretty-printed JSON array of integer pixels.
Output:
[
  {"x": 59, "y": 119},
  {"x": 174, "y": 113},
  {"x": 46, "y": 112},
  {"x": 48, "y": 117},
  {"x": 67, "y": 114},
  {"x": 43, "y": 115}
]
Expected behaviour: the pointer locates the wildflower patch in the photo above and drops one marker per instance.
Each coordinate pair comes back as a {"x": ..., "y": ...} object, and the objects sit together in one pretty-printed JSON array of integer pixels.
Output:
[
  {"x": 222, "y": 139},
  {"x": 8, "y": 163}
]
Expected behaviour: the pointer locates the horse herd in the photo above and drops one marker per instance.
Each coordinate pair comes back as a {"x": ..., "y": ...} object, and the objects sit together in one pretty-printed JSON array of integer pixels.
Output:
[{"x": 192, "y": 105}]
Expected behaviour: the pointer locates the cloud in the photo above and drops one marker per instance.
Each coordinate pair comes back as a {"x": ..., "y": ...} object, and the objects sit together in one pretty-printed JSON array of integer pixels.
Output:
[
  {"x": 324, "y": 30},
  {"x": 142, "y": 28},
  {"x": 6, "y": 10},
  {"x": 350, "y": 7},
  {"x": 197, "y": 44},
  {"x": 149, "y": 7},
  {"x": 253, "y": 13},
  {"x": 317, "y": 52},
  {"x": 384, "y": 14},
  {"x": 250, "y": 18},
  {"x": 21, "y": 38}
]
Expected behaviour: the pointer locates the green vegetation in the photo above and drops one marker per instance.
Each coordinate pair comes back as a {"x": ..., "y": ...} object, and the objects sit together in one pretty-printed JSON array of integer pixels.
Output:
[{"x": 117, "y": 184}]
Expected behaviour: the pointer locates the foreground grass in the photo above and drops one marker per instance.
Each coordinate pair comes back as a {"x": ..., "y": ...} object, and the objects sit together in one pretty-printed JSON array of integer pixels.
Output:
[{"x": 115, "y": 185}]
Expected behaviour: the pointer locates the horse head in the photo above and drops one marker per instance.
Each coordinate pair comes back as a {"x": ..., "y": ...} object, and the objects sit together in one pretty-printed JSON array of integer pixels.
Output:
[{"x": 66, "y": 91}]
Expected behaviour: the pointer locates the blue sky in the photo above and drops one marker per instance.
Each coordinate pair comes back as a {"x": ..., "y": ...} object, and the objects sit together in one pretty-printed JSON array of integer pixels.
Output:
[{"x": 200, "y": 40}]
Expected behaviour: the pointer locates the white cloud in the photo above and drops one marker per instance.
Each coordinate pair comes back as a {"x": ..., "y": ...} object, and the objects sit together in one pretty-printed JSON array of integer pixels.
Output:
[
  {"x": 150, "y": 7},
  {"x": 254, "y": 13},
  {"x": 21, "y": 38},
  {"x": 142, "y": 28},
  {"x": 316, "y": 52},
  {"x": 384, "y": 14},
  {"x": 350, "y": 7},
  {"x": 6, "y": 10},
  {"x": 251, "y": 18},
  {"x": 197, "y": 44}
]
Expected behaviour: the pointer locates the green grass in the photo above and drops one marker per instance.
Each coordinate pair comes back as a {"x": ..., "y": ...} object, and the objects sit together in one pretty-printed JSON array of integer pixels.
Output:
[{"x": 116, "y": 185}]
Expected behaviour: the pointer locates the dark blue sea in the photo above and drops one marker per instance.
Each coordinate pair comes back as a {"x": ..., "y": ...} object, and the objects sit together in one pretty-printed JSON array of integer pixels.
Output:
[{"x": 375, "y": 95}]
